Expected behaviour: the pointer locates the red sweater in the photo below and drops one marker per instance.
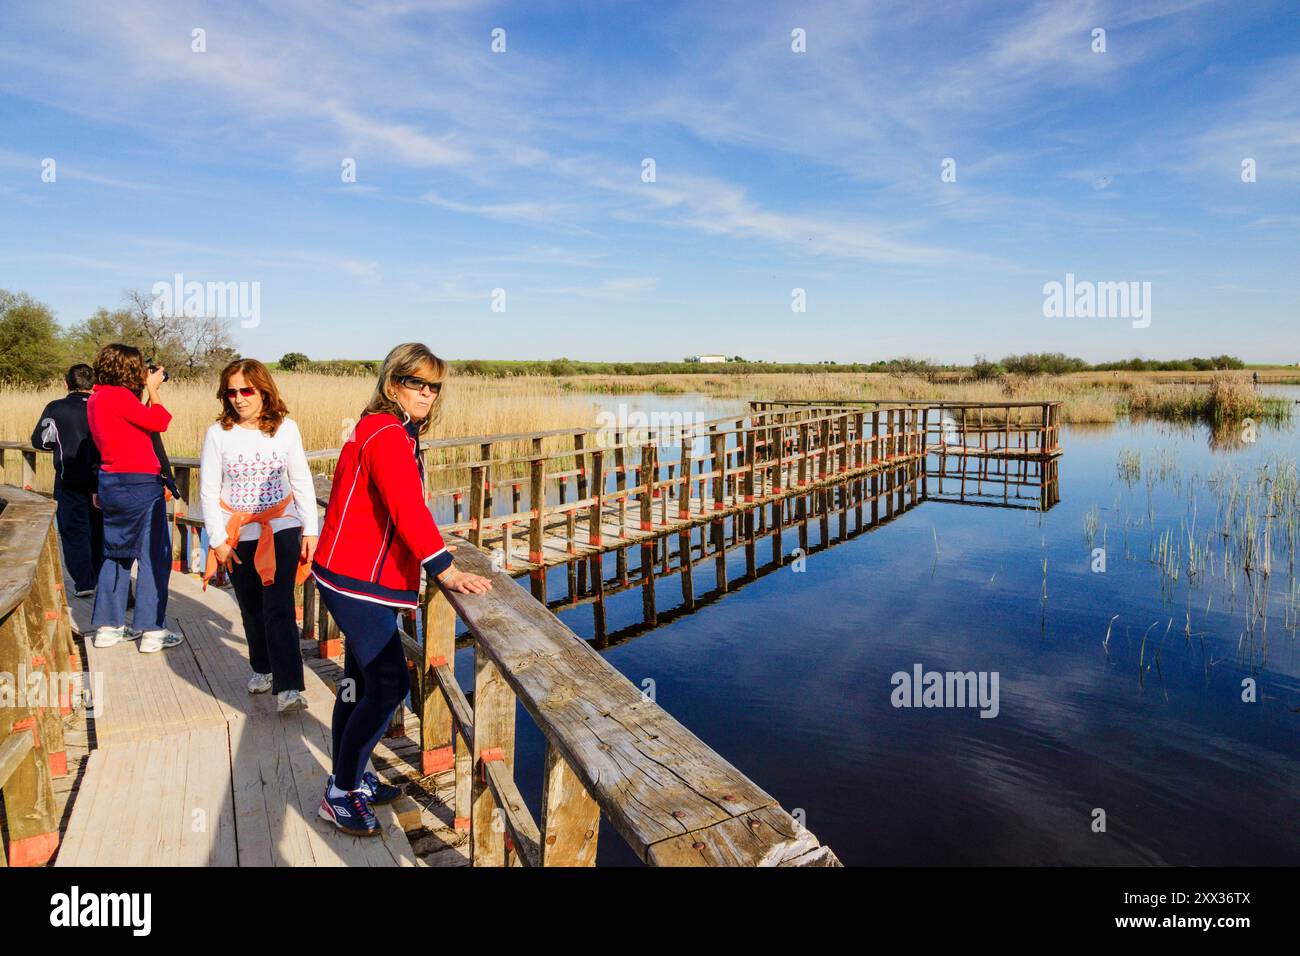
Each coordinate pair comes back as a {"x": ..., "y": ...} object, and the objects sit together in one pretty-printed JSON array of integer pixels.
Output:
[
  {"x": 120, "y": 425},
  {"x": 378, "y": 530}
]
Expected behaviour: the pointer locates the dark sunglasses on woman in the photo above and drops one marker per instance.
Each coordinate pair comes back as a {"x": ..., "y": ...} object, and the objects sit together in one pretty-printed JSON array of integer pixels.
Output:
[
  {"x": 247, "y": 391},
  {"x": 417, "y": 384}
]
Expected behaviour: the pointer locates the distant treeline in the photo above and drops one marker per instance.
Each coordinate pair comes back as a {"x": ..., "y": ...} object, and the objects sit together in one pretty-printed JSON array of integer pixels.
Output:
[{"x": 1039, "y": 363}]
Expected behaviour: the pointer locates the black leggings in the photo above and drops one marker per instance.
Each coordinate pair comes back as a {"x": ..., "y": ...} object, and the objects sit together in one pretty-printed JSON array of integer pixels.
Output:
[{"x": 268, "y": 611}]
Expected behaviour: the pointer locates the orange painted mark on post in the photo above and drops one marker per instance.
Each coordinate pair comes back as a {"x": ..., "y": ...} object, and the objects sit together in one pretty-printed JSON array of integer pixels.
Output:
[
  {"x": 437, "y": 760},
  {"x": 34, "y": 850}
]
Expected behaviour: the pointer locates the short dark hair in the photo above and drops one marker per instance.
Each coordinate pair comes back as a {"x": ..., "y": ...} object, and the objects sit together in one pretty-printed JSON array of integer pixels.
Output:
[{"x": 80, "y": 378}]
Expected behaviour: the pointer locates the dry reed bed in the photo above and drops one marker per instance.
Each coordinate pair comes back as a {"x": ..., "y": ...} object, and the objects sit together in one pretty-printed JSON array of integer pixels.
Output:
[{"x": 326, "y": 407}]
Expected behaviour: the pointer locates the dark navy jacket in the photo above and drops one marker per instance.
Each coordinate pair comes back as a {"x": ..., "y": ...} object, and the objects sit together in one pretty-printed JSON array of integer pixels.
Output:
[{"x": 62, "y": 429}]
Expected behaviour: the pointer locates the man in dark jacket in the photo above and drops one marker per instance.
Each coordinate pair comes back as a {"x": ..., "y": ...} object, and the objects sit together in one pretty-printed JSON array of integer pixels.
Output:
[{"x": 63, "y": 430}]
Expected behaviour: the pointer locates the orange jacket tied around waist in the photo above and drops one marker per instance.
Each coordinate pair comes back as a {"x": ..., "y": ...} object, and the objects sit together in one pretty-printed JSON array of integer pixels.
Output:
[{"x": 264, "y": 557}]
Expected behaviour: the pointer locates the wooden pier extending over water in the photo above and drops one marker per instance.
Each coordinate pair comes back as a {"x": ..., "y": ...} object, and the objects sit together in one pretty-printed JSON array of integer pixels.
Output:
[{"x": 178, "y": 729}]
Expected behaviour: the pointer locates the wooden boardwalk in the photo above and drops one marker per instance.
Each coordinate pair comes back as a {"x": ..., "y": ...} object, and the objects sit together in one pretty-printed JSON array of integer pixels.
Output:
[
  {"x": 189, "y": 769},
  {"x": 185, "y": 767}
]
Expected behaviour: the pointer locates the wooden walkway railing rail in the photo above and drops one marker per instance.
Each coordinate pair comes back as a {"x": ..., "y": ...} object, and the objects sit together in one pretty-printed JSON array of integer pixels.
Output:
[{"x": 39, "y": 673}]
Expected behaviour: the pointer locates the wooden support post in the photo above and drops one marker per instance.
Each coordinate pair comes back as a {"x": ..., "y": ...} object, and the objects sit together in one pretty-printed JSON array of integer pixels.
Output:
[
  {"x": 596, "y": 512},
  {"x": 537, "y": 502},
  {"x": 570, "y": 817},
  {"x": 620, "y": 484},
  {"x": 684, "y": 489},
  {"x": 329, "y": 638},
  {"x": 925, "y": 453},
  {"x": 485, "y": 454},
  {"x": 439, "y": 625},
  {"x": 718, "y": 448},
  {"x": 494, "y": 739},
  {"x": 477, "y": 504}
]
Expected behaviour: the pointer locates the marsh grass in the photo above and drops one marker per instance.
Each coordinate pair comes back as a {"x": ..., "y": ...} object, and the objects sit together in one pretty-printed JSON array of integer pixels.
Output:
[{"x": 1249, "y": 548}]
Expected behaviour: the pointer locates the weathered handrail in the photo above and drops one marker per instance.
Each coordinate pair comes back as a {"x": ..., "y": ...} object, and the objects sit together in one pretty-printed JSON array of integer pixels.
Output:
[
  {"x": 38, "y": 661},
  {"x": 610, "y": 749}
]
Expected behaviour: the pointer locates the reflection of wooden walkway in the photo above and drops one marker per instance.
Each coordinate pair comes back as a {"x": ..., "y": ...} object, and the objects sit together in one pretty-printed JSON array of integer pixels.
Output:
[{"x": 191, "y": 769}]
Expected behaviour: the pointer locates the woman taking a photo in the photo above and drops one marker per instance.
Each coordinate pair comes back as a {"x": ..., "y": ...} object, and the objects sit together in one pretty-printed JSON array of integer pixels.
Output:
[
  {"x": 131, "y": 497},
  {"x": 259, "y": 510},
  {"x": 378, "y": 534}
]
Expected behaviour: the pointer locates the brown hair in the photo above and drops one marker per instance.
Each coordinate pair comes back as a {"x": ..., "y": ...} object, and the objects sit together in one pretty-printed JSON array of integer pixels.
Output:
[
  {"x": 410, "y": 358},
  {"x": 256, "y": 374},
  {"x": 119, "y": 364}
]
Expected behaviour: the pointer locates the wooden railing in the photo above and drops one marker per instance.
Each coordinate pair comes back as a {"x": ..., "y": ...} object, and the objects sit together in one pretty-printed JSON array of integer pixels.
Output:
[
  {"x": 610, "y": 749},
  {"x": 39, "y": 669}
]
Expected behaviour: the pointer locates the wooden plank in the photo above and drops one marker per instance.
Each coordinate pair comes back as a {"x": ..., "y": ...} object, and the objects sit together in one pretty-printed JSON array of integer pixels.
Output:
[{"x": 767, "y": 836}]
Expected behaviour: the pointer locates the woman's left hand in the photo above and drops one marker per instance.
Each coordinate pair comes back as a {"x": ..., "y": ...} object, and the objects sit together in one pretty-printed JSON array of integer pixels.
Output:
[
  {"x": 308, "y": 547},
  {"x": 463, "y": 582}
]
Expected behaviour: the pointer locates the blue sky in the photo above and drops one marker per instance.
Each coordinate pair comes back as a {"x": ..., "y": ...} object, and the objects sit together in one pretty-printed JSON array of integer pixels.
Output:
[{"x": 775, "y": 170}]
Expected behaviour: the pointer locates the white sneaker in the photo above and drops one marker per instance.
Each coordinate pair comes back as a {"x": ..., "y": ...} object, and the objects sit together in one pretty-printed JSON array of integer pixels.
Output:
[
  {"x": 259, "y": 683},
  {"x": 288, "y": 701},
  {"x": 152, "y": 641},
  {"x": 86, "y": 593},
  {"x": 108, "y": 636}
]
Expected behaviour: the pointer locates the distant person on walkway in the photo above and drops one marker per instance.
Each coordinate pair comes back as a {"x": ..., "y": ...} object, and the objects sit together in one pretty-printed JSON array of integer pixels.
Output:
[
  {"x": 1255, "y": 376},
  {"x": 259, "y": 509},
  {"x": 131, "y": 496},
  {"x": 64, "y": 430},
  {"x": 378, "y": 534}
]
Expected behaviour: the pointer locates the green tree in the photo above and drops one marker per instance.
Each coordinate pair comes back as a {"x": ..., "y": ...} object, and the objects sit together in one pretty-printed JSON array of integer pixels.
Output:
[
  {"x": 31, "y": 352},
  {"x": 293, "y": 361}
]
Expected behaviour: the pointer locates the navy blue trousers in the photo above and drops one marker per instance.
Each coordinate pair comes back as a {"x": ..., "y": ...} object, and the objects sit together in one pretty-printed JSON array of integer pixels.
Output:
[
  {"x": 371, "y": 688},
  {"x": 153, "y": 551},
  {"x": 81, "y": 530}
]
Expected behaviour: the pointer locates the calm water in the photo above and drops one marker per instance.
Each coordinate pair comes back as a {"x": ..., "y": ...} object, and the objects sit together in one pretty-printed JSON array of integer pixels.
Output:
[{"x": 789, "y": 677}]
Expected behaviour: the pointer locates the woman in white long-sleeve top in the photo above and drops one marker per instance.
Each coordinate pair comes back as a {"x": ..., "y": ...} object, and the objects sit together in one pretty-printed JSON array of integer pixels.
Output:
[{"x": 259, "y": 509}]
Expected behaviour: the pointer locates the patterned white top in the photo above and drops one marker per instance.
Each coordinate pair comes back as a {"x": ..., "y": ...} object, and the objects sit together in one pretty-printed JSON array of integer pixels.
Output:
[{"x": 252, "y": 471}]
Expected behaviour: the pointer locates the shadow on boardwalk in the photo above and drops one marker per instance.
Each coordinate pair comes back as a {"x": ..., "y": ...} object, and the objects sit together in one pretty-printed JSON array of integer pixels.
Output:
[{"x": 188, "y": 768}]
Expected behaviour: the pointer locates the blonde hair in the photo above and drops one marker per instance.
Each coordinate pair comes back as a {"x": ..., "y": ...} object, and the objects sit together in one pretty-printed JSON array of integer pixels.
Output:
[{"x": 409, "y": 358}]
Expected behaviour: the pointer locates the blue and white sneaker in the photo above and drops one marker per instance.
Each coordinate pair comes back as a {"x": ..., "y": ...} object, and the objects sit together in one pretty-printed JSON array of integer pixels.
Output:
[
  {"x": 378, "y": 793},
  {"x": 351, "y": 812}
]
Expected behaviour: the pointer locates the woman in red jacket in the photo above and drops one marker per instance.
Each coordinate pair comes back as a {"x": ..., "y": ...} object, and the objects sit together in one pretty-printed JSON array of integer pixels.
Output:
[
  {"x": 377, "y": 536},
  {"x": 131, "y": 497}
]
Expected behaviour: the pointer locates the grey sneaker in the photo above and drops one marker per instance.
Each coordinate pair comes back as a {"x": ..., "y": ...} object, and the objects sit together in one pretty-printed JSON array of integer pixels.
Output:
[
  {"x": 108, "y": 636},
  {"x": 153, "y": 641},
  {"x": 259, "y": 683},
  {"x": 288, "y": 701}
]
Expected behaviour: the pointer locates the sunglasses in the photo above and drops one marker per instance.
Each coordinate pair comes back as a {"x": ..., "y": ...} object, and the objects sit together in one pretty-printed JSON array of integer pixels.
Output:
[
  {"x": 417, "y": 384},
  {"x": 247, "y": 391}
]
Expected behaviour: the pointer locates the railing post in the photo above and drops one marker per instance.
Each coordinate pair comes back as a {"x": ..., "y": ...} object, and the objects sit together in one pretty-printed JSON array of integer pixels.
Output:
[
  {"x": 439, "y": 626},
  {"x": 494, "y": 739},
  {"x": 570, "y": 817},
  {"x": 537, "y": 502},
  {"x": 598, "y": 491},
  {"x": 750, "y": 464},
  {"x": 476, "y": 503},
  {"x": 718, "y": 447},
  {"x": 329, "y": 637},
  {"x": 29, "y": 470}
]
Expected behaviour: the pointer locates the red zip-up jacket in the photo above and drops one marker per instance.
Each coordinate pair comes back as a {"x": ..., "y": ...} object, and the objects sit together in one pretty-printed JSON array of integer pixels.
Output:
[
  {"x": 378, "y": 530},
  {"x": 120, "y": 425}
]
